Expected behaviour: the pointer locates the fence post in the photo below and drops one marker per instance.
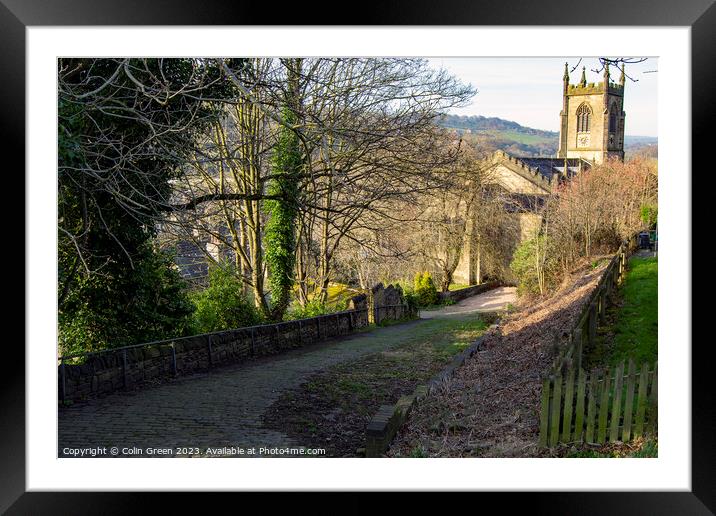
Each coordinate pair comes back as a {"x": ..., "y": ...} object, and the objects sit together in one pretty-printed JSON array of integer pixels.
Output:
[
  {"x": 174, "y": 359},
  {"x": 578, "y": 348},
  {"x": 544, "y": 413},
  {"x": 592, "y": 325},
  {"x": 300, "y": 333},
  {"x": 602, "y": 306},
  {"x": 209, "y": 348},
  {"x": 556, "y": 406},
  {"x": 318, "y": 325},
  {"x": 253, "y": 341},
  {"x": 124, "y": 367},
  {"x": 63, "y": 392}
]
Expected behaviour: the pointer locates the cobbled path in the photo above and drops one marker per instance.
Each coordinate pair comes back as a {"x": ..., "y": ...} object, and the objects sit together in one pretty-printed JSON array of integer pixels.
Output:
[
  {"x": 220, "y": 408},
  {"x": 223, "y": 408}
]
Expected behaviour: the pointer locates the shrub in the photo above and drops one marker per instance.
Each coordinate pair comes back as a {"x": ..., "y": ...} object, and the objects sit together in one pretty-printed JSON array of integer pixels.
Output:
[
  {"x": 223, "y": 305},
  {"x": 129, "y": 306},
  {"x": 411, "y": 299},
  {"x": 534, "y": 266},
  {"x": 424, "y": 289},
  {"x": 312, "y": 309}
]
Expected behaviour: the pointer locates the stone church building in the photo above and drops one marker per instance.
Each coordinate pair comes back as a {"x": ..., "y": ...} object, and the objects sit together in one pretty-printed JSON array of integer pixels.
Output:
[{"x": 591, "y": 131}]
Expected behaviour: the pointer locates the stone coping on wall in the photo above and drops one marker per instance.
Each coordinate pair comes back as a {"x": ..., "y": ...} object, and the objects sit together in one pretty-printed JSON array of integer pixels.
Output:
[{"x": 464, "y": 293}]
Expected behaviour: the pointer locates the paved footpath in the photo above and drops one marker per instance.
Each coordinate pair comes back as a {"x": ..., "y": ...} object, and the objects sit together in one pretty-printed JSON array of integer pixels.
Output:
[
  {"x": 490, "y": 301},
  {"x": 224, "y": 407}
]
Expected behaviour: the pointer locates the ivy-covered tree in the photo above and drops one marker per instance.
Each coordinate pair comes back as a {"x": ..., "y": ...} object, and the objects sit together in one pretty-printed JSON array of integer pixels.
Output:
[{"x": 280, "y": 236}]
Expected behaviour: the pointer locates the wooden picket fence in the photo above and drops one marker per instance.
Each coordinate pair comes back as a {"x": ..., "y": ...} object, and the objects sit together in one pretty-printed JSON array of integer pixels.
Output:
[{"x": 600, "y": 406}]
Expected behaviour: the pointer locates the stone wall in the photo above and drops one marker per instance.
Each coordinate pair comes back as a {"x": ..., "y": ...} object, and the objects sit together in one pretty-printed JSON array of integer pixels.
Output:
[
  {"x": 127, "y": 367},
  {"x": 388, "y": 304},
  {"x": 464, "y": 293}
]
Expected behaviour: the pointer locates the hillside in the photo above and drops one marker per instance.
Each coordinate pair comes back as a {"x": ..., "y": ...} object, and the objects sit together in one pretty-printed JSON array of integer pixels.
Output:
[{"x": 492, "y": 133}]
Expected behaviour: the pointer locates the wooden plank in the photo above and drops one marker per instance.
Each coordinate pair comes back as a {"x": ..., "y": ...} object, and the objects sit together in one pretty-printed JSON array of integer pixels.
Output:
[
  {"x": 579, "y": 417},
  {"x": 544, "y": 413},
  {"x": 629, "y": 404},
  {"x": 617, "y": 403},
  {"x": 568, "y": 401},
  {"x": 653, "y": 403},
  {"x": 591, "y": 407},
  {"x": 641, "y": 401},
  {"x": 577, "y": 343},
  {"x": 556, "y": 406},
  {"x": 603, "y": 408}
]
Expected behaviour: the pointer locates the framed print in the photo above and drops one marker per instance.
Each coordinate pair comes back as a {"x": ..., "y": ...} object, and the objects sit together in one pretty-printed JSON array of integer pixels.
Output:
[{"x": 296, "y": 242}]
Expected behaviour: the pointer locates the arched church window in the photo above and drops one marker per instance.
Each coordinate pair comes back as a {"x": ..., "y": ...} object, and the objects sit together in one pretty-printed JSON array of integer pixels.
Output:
[
  {"x": 613, "y": 119},
  {"x": 584, "y": 115}
]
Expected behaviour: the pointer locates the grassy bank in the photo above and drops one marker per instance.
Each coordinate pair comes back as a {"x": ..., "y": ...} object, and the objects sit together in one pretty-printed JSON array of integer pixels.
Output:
[
  {"x": 636, "y": 324},
  {"x": 631, "y": 329}
]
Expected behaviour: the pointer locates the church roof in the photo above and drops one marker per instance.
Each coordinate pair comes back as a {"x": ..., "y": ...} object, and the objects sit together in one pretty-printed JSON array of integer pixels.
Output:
[{"x": 547, "y": 167}]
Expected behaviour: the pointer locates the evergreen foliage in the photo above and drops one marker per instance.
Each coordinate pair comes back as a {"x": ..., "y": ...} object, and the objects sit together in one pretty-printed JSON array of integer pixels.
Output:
[
  {"x": 118, "y": 149},
  {"x": 280, "y": 234},
  {"x": 223, "y": 305},
  {"x": 424, "y": 289}
]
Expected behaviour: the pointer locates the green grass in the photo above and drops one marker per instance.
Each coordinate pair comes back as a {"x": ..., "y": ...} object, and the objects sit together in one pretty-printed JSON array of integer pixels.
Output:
[
  {"x": 631, "y": 329},
  {"x": 423, "y": 350},
  {"x": 636, "y": 325}
]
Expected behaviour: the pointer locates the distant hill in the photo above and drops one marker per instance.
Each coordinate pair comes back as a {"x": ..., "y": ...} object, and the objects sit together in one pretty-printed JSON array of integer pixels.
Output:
[{"x": 492, "y": 133}]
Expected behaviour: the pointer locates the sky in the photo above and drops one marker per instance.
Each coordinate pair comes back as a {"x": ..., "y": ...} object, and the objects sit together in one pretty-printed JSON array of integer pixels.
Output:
[{"x": 529, "y": 90}]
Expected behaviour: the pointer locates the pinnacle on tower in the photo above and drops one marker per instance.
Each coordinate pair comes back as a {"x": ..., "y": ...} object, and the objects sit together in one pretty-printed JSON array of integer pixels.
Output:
[
  {"x": 622, "y": 78},
  {"x": 606, "y": 73},
  {"x": 583, "y": 82},
  {"x": 566, "y": 72}
]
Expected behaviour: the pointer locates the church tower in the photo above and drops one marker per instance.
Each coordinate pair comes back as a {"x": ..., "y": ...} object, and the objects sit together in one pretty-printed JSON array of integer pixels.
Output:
[{"x": 592, "y": 118}]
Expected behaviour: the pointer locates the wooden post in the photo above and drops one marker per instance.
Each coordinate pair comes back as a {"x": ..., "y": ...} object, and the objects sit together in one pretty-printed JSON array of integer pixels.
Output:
[
  {"x": 604, "y": 408},
  {"x": 300, "y": 332},
  {"x": 592, "y": 325},
  {"x": 556, "y": 406},
  {"x": 579, "y": 419},
  {"x": 124, "y": 367},
  {"x": 591, "y": 407},
  {"x": 653, "y": 402},
  {"x": 617, "y": 403},
  {"x": 253, "y": 341},
  {"x": 209, "y": 350},
  {"x": 629, "y": 403},
  {"x": 568, "y": 397},
  {"x": 63, "y": 391},
  {"x": 641, "y": 401},
  {"x": 544, "y": 414},
  {"x": 318, "y": 324},
  {"x": 578, "y": 348},
  {"x": 174, "y": 359}
]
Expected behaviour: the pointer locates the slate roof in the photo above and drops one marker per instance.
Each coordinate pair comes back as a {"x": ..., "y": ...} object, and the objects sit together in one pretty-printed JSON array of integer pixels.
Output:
[{"x": 547, "y": 167}]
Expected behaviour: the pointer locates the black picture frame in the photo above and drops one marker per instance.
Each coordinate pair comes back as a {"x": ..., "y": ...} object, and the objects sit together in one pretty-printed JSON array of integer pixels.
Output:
[{"x": 700, "y": 15}]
